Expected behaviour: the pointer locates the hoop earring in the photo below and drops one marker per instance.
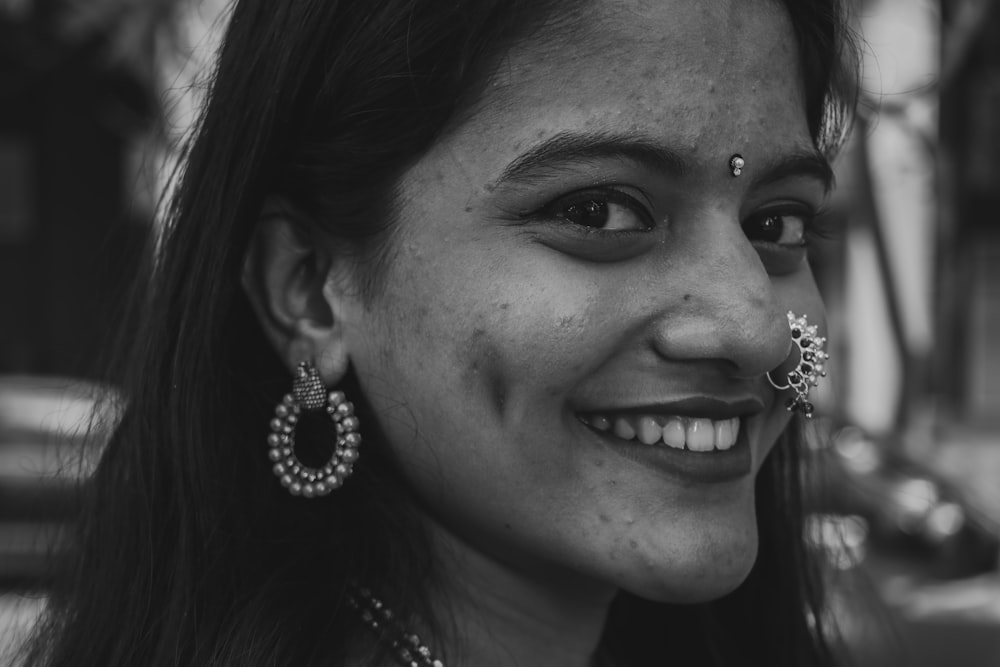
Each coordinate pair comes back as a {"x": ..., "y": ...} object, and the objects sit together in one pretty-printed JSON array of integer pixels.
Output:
[
  {"x": 811, "y": 366},
  {"x": 309, "y": 394}
]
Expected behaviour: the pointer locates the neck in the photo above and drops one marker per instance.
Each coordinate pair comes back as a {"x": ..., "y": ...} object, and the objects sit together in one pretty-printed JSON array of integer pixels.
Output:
[{"x": 506, "y": 613}]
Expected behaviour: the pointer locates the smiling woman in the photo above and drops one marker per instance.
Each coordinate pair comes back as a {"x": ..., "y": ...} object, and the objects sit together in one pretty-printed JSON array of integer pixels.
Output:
[{"x": 533, "y": 260}]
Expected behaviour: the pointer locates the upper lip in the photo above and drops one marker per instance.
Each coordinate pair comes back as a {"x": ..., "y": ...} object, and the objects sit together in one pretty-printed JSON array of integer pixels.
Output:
[{"x": 706, "y": 407}]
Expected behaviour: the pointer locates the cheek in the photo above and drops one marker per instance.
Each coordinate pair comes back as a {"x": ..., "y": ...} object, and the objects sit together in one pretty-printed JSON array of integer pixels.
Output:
[
  {"x": 521, "y": 333},
  {"x": 517, "y": 358}
]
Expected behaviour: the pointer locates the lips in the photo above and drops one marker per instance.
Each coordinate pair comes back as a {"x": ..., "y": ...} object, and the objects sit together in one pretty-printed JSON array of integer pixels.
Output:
[{"x": 697, "y": 434}]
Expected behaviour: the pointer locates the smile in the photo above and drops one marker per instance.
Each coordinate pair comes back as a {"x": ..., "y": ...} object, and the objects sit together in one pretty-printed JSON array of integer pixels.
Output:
[
  {"x": 699, "y": 440},
  {"x": 696, "y": 434}
]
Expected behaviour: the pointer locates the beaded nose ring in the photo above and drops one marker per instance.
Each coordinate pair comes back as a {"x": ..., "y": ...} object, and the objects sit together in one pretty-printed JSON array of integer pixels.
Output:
[{"x": 811, "y": 366}]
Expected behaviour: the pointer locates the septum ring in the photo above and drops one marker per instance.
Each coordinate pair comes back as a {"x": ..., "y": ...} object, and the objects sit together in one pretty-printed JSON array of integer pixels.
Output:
[{"x": 811, "y": 366}]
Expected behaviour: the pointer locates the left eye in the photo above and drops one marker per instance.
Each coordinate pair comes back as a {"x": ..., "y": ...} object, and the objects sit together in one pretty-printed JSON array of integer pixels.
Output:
[
  {"x": 777, "y": 228},
  {"x": 606, "y": 211}
]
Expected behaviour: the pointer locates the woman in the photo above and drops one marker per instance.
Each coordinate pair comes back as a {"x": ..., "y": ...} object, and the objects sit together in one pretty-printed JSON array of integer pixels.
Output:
[{"x": 523, "y": 239}]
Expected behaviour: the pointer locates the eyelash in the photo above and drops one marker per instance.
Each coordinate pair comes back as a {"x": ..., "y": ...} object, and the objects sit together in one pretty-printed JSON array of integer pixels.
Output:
[
  {"x": 556, "y": 210},
  {"x": 812, "y": 230}
]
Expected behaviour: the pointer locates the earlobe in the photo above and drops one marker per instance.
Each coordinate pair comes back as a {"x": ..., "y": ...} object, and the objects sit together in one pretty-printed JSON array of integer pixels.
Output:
[{"x": 287, "y": 276}]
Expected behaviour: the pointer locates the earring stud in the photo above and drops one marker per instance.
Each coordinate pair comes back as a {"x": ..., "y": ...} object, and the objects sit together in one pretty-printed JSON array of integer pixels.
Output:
[{"x": 811, "y": 366}]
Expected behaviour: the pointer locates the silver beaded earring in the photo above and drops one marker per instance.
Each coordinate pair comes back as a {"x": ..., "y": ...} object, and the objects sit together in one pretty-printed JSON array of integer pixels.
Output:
[
  {"x": 811, "y": 366},
  {"x": 309, "y": 394}
]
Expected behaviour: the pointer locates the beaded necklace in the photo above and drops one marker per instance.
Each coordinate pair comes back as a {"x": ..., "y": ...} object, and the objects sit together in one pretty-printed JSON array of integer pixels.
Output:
[{"x": 406, "y": 646}]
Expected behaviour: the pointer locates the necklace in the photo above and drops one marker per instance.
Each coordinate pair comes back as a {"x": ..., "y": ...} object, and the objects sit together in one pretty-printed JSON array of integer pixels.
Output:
[{"x": 406, "y": 646}]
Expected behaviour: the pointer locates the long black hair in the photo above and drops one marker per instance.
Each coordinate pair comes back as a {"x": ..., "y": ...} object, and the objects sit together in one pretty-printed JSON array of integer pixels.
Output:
[{"x": 186, "y": 551}]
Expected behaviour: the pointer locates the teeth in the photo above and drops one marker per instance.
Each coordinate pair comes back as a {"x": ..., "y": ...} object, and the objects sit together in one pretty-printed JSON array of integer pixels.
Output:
[
  {"x": 700, "y": 435},
  {"x": 725, "y": 434},
  {"x": 624, "y": 430},
  {"x": 601, "y": 423},
  {"x": 693, "y": 433},
  {"x": 649, "y": 432},
  {"x": 674, "y": 432}
]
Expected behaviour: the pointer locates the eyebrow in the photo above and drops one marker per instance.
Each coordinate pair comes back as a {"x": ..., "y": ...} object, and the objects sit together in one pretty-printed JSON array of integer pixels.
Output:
[
  {"x": 801, "y": 163},
  {"x": 569, "y": 147}
]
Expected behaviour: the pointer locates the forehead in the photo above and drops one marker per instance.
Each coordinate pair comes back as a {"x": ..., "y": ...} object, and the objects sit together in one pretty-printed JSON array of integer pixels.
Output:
[{"x": 710, "y": 77}]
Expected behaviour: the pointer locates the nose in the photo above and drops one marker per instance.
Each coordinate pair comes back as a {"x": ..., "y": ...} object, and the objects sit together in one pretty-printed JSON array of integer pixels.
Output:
[{"x": 729, "y": 312}]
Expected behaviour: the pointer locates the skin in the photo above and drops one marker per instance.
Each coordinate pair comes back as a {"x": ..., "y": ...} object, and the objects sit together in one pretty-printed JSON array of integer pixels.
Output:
[{"x": 501, "y": 321}]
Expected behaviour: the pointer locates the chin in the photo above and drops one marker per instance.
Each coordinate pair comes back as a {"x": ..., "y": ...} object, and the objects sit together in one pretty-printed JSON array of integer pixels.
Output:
[{"x": 705, "y": 573}]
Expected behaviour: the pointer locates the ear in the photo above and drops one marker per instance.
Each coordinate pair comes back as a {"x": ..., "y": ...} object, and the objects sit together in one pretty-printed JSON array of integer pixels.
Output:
[{"x": 296, "y": 287}]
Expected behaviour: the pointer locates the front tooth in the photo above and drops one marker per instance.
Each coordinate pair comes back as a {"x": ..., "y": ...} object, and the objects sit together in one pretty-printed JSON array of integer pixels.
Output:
[
  {"x": 623, "y": 429},
  {"x": 600, "y": 422},
  {"x": 700, "y": 435},
  {"x": 673, "y": 433},
  {"x": 649, "y": 431}
]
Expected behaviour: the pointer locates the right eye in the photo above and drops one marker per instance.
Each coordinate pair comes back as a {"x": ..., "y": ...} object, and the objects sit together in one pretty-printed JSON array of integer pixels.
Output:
[
  {"x": 781, "y": 229},
  {"x": 605, "y": 210}
]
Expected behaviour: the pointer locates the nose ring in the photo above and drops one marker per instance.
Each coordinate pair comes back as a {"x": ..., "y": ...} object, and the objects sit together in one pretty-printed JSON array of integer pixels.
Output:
[{"x": 811, "y": 366}]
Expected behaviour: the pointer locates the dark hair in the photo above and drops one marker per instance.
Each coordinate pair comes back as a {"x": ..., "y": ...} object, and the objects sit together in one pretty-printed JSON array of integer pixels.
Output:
[{"x": 186, "y": 550}]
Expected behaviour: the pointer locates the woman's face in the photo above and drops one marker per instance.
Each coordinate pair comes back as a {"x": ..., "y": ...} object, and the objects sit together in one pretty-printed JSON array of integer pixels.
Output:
[{"x": 577, "y": 273}]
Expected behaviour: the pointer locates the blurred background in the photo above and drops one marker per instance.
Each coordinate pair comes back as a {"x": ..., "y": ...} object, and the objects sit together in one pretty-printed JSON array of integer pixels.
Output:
[{"x": 96, "y": 95}]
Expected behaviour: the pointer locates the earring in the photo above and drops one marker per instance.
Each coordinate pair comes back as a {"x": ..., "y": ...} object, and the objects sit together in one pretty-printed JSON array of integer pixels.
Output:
[
  {"x": 812, "y": 360},
  {"x": 309, "y": 394}
]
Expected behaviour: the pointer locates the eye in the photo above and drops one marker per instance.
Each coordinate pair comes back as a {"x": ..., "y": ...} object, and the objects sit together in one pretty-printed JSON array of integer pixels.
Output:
[
  {"x": 781, "y": 229},
  {"x": 781, "y": 236},
  {"x": 605, "y": 210}
]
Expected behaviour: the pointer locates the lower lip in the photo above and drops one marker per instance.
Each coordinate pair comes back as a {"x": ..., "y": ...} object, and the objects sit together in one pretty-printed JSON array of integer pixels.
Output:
[{"x": 712, "y": 467}]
